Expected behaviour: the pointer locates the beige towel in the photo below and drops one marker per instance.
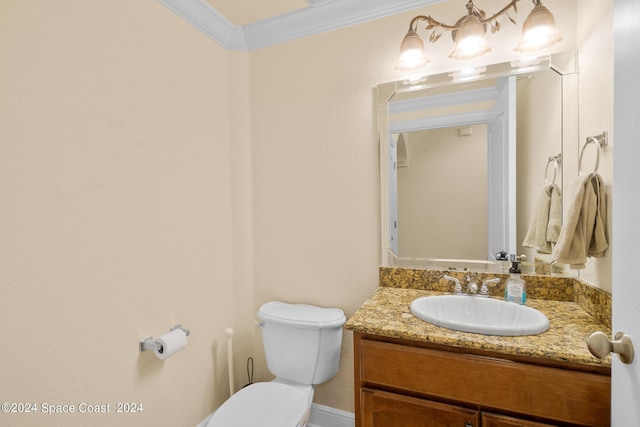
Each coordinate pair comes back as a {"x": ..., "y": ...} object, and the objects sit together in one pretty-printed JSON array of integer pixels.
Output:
[
  {"x": 583, "y": 233},
  {"x": 555, "y": 215},
  {"x": 544, "y": 227}
]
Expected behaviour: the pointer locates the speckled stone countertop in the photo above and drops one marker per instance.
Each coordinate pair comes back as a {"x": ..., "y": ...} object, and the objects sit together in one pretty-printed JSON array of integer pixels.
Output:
[{"x": 386, "y": 313}]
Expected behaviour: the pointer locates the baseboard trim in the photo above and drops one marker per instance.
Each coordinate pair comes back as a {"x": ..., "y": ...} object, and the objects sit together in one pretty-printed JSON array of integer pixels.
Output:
[{"x": 324, "y": 416}]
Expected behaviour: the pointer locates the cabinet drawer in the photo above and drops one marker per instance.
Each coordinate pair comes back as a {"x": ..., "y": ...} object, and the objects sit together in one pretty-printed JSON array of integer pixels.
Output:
[
  {"x": 382, "y": 409},
  {"x": 496, "y": 384},
  {"x": 492, "y": 420}
]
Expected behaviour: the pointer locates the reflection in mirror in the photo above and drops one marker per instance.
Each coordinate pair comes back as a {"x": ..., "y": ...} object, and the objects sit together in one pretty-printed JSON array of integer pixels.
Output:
[
  {"x": 447, "y": 165},
  {"x": 466, "y": 162}
]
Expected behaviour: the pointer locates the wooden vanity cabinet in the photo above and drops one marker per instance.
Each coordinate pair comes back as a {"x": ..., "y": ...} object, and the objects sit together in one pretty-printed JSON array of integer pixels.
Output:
[{"x": 401, "y": 383}]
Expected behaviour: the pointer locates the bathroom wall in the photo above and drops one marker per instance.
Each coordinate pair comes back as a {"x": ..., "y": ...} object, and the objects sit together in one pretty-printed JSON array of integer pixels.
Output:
[
  {"x": 148, "y": 177},
  {"x": 315, "y": 179},
  {"x": 123, "y": 210},
  {"x": 595, "y": 38}
]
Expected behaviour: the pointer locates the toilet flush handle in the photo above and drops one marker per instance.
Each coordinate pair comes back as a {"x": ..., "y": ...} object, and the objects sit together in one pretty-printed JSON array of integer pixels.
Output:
[{"x": 259, "y": 323}]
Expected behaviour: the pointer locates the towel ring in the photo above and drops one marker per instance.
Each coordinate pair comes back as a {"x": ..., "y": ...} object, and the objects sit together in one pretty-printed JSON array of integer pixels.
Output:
[
  {"x": 556, "y": 163},
  {"x": 599, "y": 141}
]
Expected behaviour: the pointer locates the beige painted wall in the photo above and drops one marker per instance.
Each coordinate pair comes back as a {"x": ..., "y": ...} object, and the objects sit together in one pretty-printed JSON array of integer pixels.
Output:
[
  {"x": 315, "y": 178},
  {"x": 118, "y": 209},
  {"x": 149, "y": 177},
  {"x": 595, "y": 37}
]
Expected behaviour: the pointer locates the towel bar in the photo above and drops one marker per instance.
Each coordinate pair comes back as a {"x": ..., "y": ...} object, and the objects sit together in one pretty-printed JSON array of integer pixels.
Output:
[
  {"x": 599, "y": 141},
  {"x": 556, "y": 164}
]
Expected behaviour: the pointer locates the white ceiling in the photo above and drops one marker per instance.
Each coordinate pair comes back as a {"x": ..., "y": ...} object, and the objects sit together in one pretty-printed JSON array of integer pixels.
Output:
[
  {"x": 250, "y": 24},
  {"x": 243, "y": 12}
]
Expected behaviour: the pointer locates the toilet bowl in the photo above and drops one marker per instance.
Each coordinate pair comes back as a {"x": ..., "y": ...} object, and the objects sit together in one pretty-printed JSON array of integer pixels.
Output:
[
  {"x": 267, "y": 404},
  {"x": 302, "y": 346}
]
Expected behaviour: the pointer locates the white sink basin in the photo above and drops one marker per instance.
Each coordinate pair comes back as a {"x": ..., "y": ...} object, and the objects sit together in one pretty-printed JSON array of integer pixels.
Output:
[{"x": 480, "y": 315}]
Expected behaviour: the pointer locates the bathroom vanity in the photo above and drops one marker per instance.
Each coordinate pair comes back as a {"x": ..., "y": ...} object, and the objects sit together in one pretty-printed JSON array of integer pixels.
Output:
[{"x": 411, "y": 373}]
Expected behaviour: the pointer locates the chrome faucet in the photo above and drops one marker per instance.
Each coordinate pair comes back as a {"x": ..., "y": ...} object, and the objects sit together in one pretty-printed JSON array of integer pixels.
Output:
[
  {"x": 472, "y": 286},
  {"x": 484, "y": 290},
  {"x": 457, "y": 289}
]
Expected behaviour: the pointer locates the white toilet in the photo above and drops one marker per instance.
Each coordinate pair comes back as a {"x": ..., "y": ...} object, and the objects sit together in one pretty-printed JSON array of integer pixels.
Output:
[{"x": 302, "y": 345}]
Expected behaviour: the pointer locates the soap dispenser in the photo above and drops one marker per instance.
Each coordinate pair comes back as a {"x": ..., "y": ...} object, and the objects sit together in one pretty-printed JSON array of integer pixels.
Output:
[
  {"x": 515, "y": 290},
  {"x": 502, "y": 259}
]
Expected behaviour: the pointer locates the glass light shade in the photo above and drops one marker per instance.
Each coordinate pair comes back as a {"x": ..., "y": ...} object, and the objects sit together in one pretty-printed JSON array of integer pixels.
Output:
[
  {"x": 538, "y": 31},
  {"x": 470, "y": 39},
  {"x": 412, "y": 55}
]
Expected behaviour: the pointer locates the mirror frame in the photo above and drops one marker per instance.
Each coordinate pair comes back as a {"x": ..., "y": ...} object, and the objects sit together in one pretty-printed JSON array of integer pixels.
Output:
[{"x": 565, "y": 64}]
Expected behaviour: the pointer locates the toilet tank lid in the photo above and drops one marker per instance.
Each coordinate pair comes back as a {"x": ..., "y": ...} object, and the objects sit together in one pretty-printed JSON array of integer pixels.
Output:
[{"x": 303, "y": 315}]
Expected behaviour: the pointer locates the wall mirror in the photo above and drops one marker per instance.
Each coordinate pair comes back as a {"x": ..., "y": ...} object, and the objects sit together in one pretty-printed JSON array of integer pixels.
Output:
[{"x": 464, "y": 157}]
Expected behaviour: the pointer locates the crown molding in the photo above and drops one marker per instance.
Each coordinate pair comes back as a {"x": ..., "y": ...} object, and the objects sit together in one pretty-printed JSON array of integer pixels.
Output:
[
  {"x": 209, "y": 21},
  {"x": 325, "y": 16}
]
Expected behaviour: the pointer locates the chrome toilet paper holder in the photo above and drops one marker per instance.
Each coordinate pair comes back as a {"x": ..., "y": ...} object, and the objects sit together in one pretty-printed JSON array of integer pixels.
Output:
[{"x": 148, "y": 343}]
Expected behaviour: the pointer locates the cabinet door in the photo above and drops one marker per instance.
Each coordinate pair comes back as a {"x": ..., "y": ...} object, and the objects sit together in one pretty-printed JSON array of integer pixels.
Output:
[
  {"x": 382, "y": 409},
  {"x": 492, "y": 420}
]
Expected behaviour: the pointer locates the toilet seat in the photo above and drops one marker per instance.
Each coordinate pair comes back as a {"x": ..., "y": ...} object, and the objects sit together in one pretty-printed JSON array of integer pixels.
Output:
[{"x": 267, "y": 404}]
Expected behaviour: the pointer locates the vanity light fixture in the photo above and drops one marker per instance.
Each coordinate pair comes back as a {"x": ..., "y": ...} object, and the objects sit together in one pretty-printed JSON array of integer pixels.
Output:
[
  {"x": 527, "y": 61},
  {"x": 469, "y": 34},
  {"x": 468, "y": 73}
]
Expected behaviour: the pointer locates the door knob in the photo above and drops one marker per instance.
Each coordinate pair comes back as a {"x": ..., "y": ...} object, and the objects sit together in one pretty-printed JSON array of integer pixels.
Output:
[{"x": 600, "y": 346}]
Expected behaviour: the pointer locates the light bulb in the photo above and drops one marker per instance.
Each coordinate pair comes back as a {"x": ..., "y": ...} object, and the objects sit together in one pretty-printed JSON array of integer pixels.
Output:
[
  {"x": 538, "y": 31},
  {"x": 470, "y": 39},
  {"x": 412, "y": 55}
]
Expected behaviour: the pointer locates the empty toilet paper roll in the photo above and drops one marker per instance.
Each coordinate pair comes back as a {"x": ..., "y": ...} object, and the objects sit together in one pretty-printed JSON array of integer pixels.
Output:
[{"x": 170, "y": 343}]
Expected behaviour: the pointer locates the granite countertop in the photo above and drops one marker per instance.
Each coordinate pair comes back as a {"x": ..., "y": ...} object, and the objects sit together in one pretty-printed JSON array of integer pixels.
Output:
[{"x": 386, "y": 313}]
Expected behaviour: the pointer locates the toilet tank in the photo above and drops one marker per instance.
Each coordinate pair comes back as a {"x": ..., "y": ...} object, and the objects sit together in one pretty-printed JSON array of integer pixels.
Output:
[{"x": 302, "y": 342}]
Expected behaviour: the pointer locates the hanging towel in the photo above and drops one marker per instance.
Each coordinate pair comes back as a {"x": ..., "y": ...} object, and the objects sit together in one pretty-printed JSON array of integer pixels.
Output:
[
  {"x": 555, "y": 215},
  {"x": 583, "y": 234},
  {"x": 544, "y": 227}
]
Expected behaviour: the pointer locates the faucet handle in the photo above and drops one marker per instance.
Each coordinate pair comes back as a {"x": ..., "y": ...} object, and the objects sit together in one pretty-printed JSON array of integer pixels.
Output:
[
  {"x": 458, "y": 287},
  {"x": 484, "y": 290},
  {"x": 472, "y": 286}
]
